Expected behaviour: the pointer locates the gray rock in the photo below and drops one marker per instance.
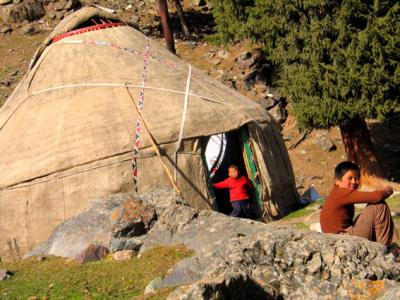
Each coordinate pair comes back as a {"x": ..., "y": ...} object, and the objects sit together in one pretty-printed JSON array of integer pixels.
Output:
[
  {"x": 216, "y": 61},
  {"x": 24, "y": 11},
  {"x": 223, "y": 54},
  {"x": 13, "y": 73},
  {"x": 243, "y": 56},
  {"x": 153, "y": 285},
  {"x": 279, "y": 113},
  {"x": 248, "y": 83},
  {"x": 34, "y": 10},
  {"x": 5, "y": 274},
  {"x": 41, "y": 258},
  {"x": 76, "y": 234},
  {"x": 5, "y": 82},
  {"x": 28, "y": 29},
  {"x": 267, "y": 103},
  {"x": 132, "y": 218},
  {"x": 92, "y": 253},
  {"x": 290, "y": 263},
  {"x": 4, "y": 29},
  {"x": 161, "y": 197},
  {"x": 119, "y": 244},
  {"x": 123, "y": 255},
  {"x": 199, "y": 3},
  {"x": 324, "y": 142},
  {"x": 104, "y": 222},
  {"x": 67, "y": 5}
]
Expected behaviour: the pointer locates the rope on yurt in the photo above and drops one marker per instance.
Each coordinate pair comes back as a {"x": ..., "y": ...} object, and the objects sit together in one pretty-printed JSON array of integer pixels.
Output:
[
  {"x": 115, "y": 46},
  {"x": 184, "y": 114},
  {"x": 111, "y": 85},
  {"x": 139, "y": 109},
  {"x": 155, "y": 146}
]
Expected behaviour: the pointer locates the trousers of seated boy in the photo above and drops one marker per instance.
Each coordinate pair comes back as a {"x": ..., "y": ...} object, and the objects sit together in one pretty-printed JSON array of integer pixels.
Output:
[
  {"x": 375, "y": 224},
  {"x": 241, "y": 209}
]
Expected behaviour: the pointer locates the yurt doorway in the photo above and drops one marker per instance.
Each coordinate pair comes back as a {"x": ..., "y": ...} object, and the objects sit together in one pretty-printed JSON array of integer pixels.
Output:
[{"x": 223, "y": 150}]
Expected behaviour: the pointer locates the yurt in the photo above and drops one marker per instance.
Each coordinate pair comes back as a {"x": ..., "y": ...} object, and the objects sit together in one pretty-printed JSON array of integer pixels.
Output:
[{"x": 104, "y": 110}]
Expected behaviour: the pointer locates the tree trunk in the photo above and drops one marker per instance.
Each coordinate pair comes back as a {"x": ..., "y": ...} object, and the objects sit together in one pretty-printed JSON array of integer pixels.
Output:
[
  {"x": 169, "y": 38},
  {"x": 359, "y": 148},
  {"x": 182, "y": 18}
]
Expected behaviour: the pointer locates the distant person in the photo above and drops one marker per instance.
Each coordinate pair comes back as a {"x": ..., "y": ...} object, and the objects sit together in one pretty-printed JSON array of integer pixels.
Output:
[
  {"x": 374, "y": 223},
  {"x": 240, "y": 189}
]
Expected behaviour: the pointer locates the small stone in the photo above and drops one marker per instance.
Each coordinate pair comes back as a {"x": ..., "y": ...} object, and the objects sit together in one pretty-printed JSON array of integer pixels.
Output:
[
  {"x": 216, "y": 61},
  {"x": 5, "y": 82},
  {"x": 135, "y": 19},
  {"x": 223, "y": 54},
  {"x": 13, "y": 73},
  {"x": 243, "y": 56},
  {"x": 4, "y": 29},
  {"x": 209, "y": 55},
  {"x": 28, "y": 29},
  {"x": 92, "y": 253},
  {"x": 153, "y": 285},
  {"x": 128, "y": 7},
  {"x": 5, "y": 274},
  {"x": 324, "y": 142},
  {"x": 279, "y": 113},
  {"x": 303, "y": 152},
  {"x": 267, "y": 103},
  {"x": 41, "y": 258},
  {"x": 123, "y": 255},
  {"x": 191, "y": 44},
  {"x": 199, "y": 3}
]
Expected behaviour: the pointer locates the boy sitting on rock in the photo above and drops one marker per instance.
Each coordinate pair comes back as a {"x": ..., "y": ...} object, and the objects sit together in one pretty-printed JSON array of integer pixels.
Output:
[
  {"x": 239, "y": 190},
  {"x": 375, "y": 222}
]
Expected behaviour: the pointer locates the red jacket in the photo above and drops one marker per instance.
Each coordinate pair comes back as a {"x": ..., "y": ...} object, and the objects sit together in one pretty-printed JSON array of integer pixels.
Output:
[{"x": 239, "y": 188}]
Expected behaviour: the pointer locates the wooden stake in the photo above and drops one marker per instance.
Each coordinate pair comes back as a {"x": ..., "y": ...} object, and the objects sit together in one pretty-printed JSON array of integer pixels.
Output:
[
  {"x": 182, "y": 18},
  {"x": 156, "y": 148}
]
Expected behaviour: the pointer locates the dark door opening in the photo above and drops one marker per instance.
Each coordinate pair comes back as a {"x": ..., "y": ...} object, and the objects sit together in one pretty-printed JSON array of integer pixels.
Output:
[{"x": 235, "y": 153}]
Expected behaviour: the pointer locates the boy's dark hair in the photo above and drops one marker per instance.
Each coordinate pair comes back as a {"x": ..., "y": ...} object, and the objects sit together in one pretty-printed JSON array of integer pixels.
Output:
[
  {"x": 233, "y": 167},
  {"x": 344, "y": 167}
]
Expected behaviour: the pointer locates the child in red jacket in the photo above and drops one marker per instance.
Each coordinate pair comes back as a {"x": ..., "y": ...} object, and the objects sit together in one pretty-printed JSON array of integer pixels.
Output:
[{"x": 239, "y": 190}]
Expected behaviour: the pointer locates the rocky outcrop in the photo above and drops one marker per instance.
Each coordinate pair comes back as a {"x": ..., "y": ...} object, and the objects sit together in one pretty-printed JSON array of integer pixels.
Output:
[
  {"x": 22, "y": 11},
  {"x": 116, "y": 222},
  {"x": 244, "y": 259},
  {"x": 277, "y": 260}
]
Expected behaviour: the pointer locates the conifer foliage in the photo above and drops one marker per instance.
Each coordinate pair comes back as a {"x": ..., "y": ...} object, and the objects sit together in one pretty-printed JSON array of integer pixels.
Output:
[{"x": 339, "y": 60}]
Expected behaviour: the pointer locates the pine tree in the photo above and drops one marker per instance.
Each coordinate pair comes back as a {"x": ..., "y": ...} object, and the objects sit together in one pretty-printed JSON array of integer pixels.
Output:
[{"x": 339, "y": 60}]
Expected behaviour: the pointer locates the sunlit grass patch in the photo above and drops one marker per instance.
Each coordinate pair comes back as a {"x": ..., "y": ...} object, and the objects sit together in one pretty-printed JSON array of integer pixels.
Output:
[{"x": 58, "y": 278}]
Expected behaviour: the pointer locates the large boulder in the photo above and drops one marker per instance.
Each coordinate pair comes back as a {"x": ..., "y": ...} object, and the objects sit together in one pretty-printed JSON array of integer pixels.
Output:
[
  {"x": 256, "y": 258},
  {"x": 116, "y": 223}
]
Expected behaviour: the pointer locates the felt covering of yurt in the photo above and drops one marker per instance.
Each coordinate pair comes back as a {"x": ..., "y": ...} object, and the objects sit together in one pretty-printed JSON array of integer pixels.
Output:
[{"x": 68, "y": 131}]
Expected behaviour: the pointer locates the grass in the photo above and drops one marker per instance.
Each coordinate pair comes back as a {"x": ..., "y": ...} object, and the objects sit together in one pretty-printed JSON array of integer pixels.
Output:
[
  {"x": 394, "y": 202},
  {"x": 57, "y": 278},
  {"x": 302, "y": 212}
]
